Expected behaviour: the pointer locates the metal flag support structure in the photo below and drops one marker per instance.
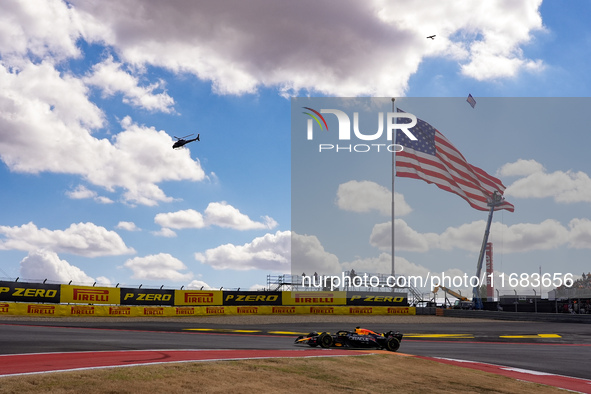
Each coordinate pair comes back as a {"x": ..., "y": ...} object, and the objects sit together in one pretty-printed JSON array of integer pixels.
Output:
[{"x": 495, "y": 200}]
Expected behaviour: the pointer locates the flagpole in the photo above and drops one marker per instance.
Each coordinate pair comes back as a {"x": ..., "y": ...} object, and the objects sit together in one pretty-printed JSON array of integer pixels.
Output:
[{"x": 393, "y": 174}]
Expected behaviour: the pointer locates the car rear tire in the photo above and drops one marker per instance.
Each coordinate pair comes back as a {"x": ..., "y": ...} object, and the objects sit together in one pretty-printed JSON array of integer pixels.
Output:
[
  {"x": 392, "y": 344},
  {"x": 325, "y": 340}
]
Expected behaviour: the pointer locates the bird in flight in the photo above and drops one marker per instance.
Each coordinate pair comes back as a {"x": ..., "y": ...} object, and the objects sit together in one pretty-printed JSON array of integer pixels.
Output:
[{"x": 432, "y": 37}]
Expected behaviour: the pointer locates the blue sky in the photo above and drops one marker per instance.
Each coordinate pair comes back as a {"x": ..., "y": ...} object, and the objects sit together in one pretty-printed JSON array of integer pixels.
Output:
[{"x": 92, "y": 93}]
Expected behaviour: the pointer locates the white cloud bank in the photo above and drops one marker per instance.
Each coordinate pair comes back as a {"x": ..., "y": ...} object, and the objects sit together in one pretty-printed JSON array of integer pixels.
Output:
[
  {"x": 219, "y": 214},
  {"x": 82, "y": 192},
  {"x": 43, "y": 264},
  {"x": 238, "y": 48},
  {"x": 367, "y": 196},
  {"x": 161, "y": 266},
  {"x": 46, "y": 125},
  {"x": 281, "y": 252},
  {"x": 521, "y": 237},
  {"x": 129, "y": 226},
  {"x": 47, "y": 117},
  {"x": 270, "y": 252},
  {"x": 112, "y": 79},
  {"x": 563, "y": 186},
  {"x": 83, "y": 239},
  {"x": 198, "y": 284}
]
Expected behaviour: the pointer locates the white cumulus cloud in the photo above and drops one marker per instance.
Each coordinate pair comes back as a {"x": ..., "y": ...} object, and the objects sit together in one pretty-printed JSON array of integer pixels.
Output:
[
  {"x": 521, "y": 167},
  {"x": 129, "y": 226},
  {"x": 269, "y": 252},
  {"x": 47, "y": 29},
  {"x": 46, "y": 125},
  {"x": 234, "y": 47},
  {"x": 165, "y": 232},
  {"x": 112, "y": 79},
  {"x": 580, "y": 233},
  {"x": 219, "y": 214},
  {"x": 239, "y": 49},
  {"x": 82, "y": 192},
  {"x": 83, "y": 239},
  {"x": 309, "y": 256},
  {"x": 188, "y": 218},
  {"x": 43, "y": 264},
  {"x": 563, "y": 186},
  {"x": 520, "y": 237},
  {"x": 367, "y": 196},
  {"x": 197, "y": 284},
  {"x": 160, "y": 266},
  {"x": 224, "y": 215},
  {"x": 406, "y": 238}
]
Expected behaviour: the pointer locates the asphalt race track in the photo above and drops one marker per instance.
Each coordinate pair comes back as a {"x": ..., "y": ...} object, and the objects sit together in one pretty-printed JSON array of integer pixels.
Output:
[{"x": 556, "y": 348}]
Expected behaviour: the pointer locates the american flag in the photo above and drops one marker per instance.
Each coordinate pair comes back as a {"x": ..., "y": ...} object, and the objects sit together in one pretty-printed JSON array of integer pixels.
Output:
[
  {"x": 471, "y": 100},
  {"x": 434, "y": 159}
]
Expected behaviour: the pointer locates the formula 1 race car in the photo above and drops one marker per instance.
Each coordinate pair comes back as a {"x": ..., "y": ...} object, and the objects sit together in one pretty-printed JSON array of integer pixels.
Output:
[{"x": 360, "y": 338}]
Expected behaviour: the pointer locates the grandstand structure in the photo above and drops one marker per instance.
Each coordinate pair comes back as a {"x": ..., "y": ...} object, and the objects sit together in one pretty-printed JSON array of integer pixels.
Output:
[{"x": 581, "y": 288}]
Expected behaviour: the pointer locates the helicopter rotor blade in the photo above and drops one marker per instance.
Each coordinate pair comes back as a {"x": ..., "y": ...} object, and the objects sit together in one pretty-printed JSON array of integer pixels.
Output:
[{"x": 180, "y": 138}]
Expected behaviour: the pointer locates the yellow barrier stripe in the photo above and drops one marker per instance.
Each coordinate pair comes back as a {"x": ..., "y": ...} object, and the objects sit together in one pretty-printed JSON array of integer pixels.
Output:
[
  {"x": 221, "y": 330},
  {"x": 531, "y": 336},
  {"x": 288, "y": 333},
  {"x": 438, "y": 336},
  {"x": 32, "y": 309}
]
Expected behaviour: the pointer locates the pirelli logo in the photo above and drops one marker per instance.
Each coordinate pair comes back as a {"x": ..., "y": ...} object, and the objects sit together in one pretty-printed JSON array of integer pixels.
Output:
[
  {"x": 361, "y": 310},
  {"x": 399, "y": 310},
  {"x": 198, "y": 297},
  {"x": 215, "y": 310},
  {"x": 247, "y": 310},
  {"x": 154, "y": 311},
  {"x": 41, "y": 309},
  {"x": 322, "y": 310},
  {"x": 284, "y": 310},
  {"x": 82, "y": 310},
  {"x": 314, "y": 298},
  {"x": 185, "y": 311},
  {"x": 4, "y": 308},
  {"x": 120, "y": 311},
  {"x": 90, "y": 295}
]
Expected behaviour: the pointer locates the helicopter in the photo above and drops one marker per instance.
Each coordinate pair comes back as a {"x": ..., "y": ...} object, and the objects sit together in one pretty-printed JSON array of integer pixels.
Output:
[{"x": 182, "y": 141}]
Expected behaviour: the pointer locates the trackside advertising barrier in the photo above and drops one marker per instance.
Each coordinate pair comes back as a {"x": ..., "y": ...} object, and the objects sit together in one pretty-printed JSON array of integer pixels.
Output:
[
  {"x": 27, "y": 309},
  {"x": 21, "y": 298}
]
